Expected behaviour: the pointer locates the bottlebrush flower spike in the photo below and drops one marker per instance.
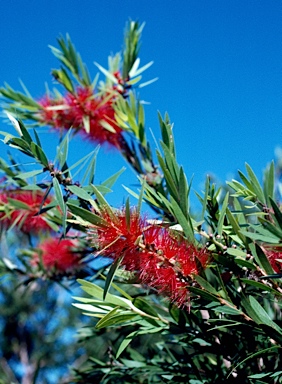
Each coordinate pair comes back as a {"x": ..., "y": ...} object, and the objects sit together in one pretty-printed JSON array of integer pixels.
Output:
[
  {"x": 120, "y": 238},
  {"x": 26, "y": 218},
  {"x": 159, "y": 259},
  {"x": 168, "y": 264},
  {"x": 91, "y": 115},
  {"x": 59, "y": 255},
  {"x": 274, "y": 256}
]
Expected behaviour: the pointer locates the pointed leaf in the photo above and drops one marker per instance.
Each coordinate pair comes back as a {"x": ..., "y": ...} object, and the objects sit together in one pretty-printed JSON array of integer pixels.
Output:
[
  {"x": 111, "y": 275},
  {"x": 87, "y": 215}
]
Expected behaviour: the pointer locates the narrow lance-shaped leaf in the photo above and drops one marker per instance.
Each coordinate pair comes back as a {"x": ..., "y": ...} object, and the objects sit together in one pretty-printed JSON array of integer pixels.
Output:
[
  {"x": 90, "y": 170},
  {"x": 61, "y": 202},
  {"x": 111, "y": 275},
  {"x": 263, "y": 315},
  {"x": 185, "y": 223},
  {"x": 236, "y": 228},
  {"x": 261, "y": 258},
  {"x": 277, "y": 212},
  {"x": 127, "y": 214},
  {"x": 97, "y": 292},
  {"x": 249, "y": 190},
  {"x": 79, "y": 192},
  {"x": 114, "y": 317},
  {"x": 183, "y": 192},
  {"x": 62, "y": 150},
  {"x": 103, "y": 203},
  {"x": 26, "y": 175},
  {"x": 222, "y": 214},
  {"x": 269, "y": 180},
  {"x": 171, "y": 162},
  {"x": 87, "y": 215},
  {"x": 39, "y": 154},
  {"x": 255, "y": 183},
  {"x": 131, "y": 336},
  {"x": 108, "y": 74},
  {"x": 111, "y": 180}
]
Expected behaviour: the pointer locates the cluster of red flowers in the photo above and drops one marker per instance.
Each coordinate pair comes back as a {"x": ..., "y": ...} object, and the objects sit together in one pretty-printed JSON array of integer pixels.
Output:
[
  {"x": 25, "y": 215},
  {"x": 160, "y": 259},
  {"x": 89, "y": 114},
  {"x": 274, "y": 256},
  {"x": 59, "y": 255}
]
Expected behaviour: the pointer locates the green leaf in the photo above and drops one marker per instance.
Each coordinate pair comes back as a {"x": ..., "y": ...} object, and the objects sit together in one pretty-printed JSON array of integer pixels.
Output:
[
  {"x": 259, "y": 375},
  {"x": 109, "y": 319},
  {"x": 142, "y": 304},
  {"x": 112, "y": 179},
  {"x": 103, "y": 190},
  {"x": 269, "y": 181},
  {"x": 263, "y": 315},
  {"x": 62, "y": 150},
  {"x": 235, "y": 226},
  {"x": 236, "y": 252},
  {"x": 135, "y": 71},
  {"x": 255, "y": 184},
  {"x": 140, "y": 198},
  {"x": 26, "y": 175},
  {"x": 90, "y": 171},
  {"x": 248, "y": 192},
  {"x": 252, "y": 355},
  {"x": 222, "y": 214},
  {"x": 206, "y": 285},
  {"x": 98, "y": 292},
  {"x": 259, "y": 237},
  {"x": 37, "y": 138},
  {"x": 185, "y": 223},
  {"x": 261, "y": 258},
  {"x": 277, "y": 212},
  {"x": 206, "y": 295},
  {"x": 227, "y": 310},
  {"x": 261, "y": 286},
  {"x": 170, "y": 182},
  {"x": 18, "y": 204},
  {"x": 249, "y": 309},
  {"x": 62, "y": 77},
  {"x": 131, "y": 336},
  {"x": 148, "y": 82},
  {"x": 21, "y": 144},
  {"x": 244, "y": 263},
  {"x": 25, "y": 135},
  {"x": 171, "y": 163},
  {"x": 166, "y": 131},
  {"x": 79, "y": 192},
  {"x": 60, "y": 200},
  {"x": 59, "y": 194},
  {"x": 183, "y": 191},
  {"x": 103, "y": 202},
  {"x": 127, "y": 214},
  {"x": 110, "y": 276},
  {"x": 272, "y": 228},
  {"x": 39, "y": 154},
  {"x": 108, "y": 74},
  {"x": 87, "y": 215}
]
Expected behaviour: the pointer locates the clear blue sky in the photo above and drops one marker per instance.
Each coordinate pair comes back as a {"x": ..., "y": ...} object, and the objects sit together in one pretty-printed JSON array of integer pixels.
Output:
[{"x": 219, "y": 65}]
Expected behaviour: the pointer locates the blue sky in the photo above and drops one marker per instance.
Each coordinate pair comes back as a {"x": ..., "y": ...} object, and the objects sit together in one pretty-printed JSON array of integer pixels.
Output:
[{"x": 218, "y": 63}]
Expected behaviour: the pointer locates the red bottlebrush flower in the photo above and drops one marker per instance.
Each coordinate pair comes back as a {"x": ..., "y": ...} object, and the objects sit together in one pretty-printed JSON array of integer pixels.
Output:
[
  {"x": 159, "y": 259},
  {"x": 168, "y": 264},
  {"x": 275, "y": 259},
  {"x": 84, "y": 111},
  {"x": 59, "y": 255},
  {"x": 120, "y": 238},
  {"x": 26, "y": 218}
]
